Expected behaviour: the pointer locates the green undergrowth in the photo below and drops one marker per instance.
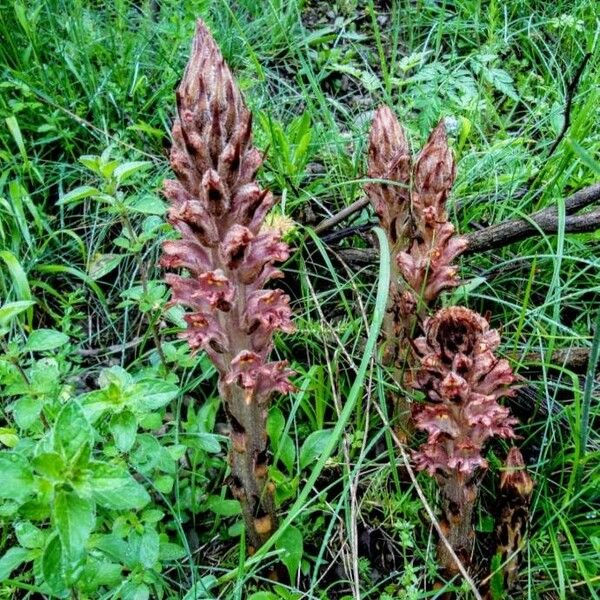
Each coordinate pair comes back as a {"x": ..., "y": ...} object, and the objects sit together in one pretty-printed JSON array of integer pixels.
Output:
[{"x": 113, "y": 461}]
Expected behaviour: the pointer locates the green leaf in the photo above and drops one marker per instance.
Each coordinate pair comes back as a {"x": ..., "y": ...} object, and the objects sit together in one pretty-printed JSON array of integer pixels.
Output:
[
  {"x": 149, "y": 548},
  {"x": 29, "y": 536},
  {"x": 148, "y": 205},
  {"x": 135, "y": 591},
  {"x": 12, "y": 559},
  {"x": 128, "y": 169},
  {"x": 103, "y": 264},
  {"x": 72, "y": 432},
  {"x": 10, "y": 310},
  {"x": 201, "y": 589},
  {"x": 263, "y": 596},
  {"x": 16, "y": 477},
  {"x": 50, "y": 465},
  {"x": 222, "y": 507},
  {"x": 8, "y": 437},
  {"x": 169, "y": 552},
  {"x": 113, "y": 487},
  {"x": 79, "y": 193},
  {"x": 74, "y": 519},
  {"x": 43, "y": 340},
  {"x": 52, "y": 567},
  {"x": 154, "y": 394},
  {"x": 290, "y": 541},
  {"x": 123, "y": 427},
  {"x": 313, "y": 446},
  {"x": 26, "y": 411}
]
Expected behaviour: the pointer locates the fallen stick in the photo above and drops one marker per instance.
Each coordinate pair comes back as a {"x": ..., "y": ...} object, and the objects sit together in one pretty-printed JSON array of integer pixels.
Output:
[{"x": 545, "y": 221}]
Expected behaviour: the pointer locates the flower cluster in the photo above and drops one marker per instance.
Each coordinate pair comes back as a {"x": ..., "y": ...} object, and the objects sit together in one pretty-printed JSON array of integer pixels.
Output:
[
  {"x": 463, "y": 380},
  {"x": 218, "y": 209},
  {"x": 410, "y": 201}
]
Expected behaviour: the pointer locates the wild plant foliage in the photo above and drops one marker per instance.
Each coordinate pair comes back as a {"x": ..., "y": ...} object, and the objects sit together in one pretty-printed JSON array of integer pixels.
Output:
[{"x": 219, "y": 209}]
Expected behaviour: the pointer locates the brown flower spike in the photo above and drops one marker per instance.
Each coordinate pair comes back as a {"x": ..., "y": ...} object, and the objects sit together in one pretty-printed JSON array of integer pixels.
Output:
[
  {"x": 410, "y": 201},
  {"x": 218, "y": 208},
  {"x": 462, "y": 380}
]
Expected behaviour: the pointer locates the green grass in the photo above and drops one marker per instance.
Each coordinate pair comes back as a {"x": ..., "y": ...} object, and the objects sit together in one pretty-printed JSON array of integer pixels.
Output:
[{"x": 79, "y": 78}]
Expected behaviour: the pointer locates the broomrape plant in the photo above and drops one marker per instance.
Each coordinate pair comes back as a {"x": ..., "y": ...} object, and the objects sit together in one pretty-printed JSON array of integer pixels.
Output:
[
  {"x": 219, "y": 209},
  {"x": 453, "y": 363}
]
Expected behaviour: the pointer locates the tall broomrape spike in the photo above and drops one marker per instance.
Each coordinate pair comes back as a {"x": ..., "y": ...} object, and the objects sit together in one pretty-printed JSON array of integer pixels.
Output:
[
  {"x": 218, "y": 208},
  {"x": 462, "y": 380},
  {"x": 411, "y": 206}
]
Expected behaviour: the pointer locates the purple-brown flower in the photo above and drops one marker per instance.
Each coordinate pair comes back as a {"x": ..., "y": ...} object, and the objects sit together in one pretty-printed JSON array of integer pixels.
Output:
[
  {"x": 225, "y": 260},
  {"x": 462, "y": 380}
]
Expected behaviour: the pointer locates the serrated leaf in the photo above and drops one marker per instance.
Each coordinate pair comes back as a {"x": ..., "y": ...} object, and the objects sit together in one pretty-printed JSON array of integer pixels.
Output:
[{"x": 42, "y": 340}]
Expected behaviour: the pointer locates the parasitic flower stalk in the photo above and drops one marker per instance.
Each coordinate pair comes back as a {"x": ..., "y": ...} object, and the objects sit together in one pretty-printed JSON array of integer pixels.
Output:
[
  {"x": 462, "y": 380},
  {"x": 218, "y": 209},
  {"x": 410, "y": 201},
  {"x": 516, "y": 487}
]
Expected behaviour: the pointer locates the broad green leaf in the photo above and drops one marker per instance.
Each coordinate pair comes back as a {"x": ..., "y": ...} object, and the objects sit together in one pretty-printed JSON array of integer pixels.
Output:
[
  {"x": 8, "y": 437},
  {"x": 26, "y": 411},
  {"x": 222, "y": 507},
  {"x": 148, "y": 205},
  {"x": 79, "y": 193},
  {"x": 123, "y": 427},
  {"x": 72, "y": 432},
  {"x": 42, "y": 340},
  {"x": 290, "y": 541},
  {"x": 126, "y": 170},
  {"x": 154, "y": 394},
  {"x": 29, "y": 536},
  {"x": 313, "y": 446},
  {"x": 50, "y": 465},
  {"x": 113, "y": 487},
  {"x": 263, "y": 596},
  {"x": 135, "y": 591},
  {"x": 13, "y": 558},
  {"x": 97, "y": 574},
  {"x": 170, "y": 551},
  {"x": 53, "y": 569},
  {"x": 103, "y": 264},
  {"x": 74, "y": 519},
  {"x": 149, "y": 548},
  {"x": 16, "y": 477}
]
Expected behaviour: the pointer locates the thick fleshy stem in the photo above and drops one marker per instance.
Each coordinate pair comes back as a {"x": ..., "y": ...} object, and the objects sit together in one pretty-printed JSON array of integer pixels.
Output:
[
  {"x": 218, "y": 208},
  {"x": 462, "y": 380}
]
